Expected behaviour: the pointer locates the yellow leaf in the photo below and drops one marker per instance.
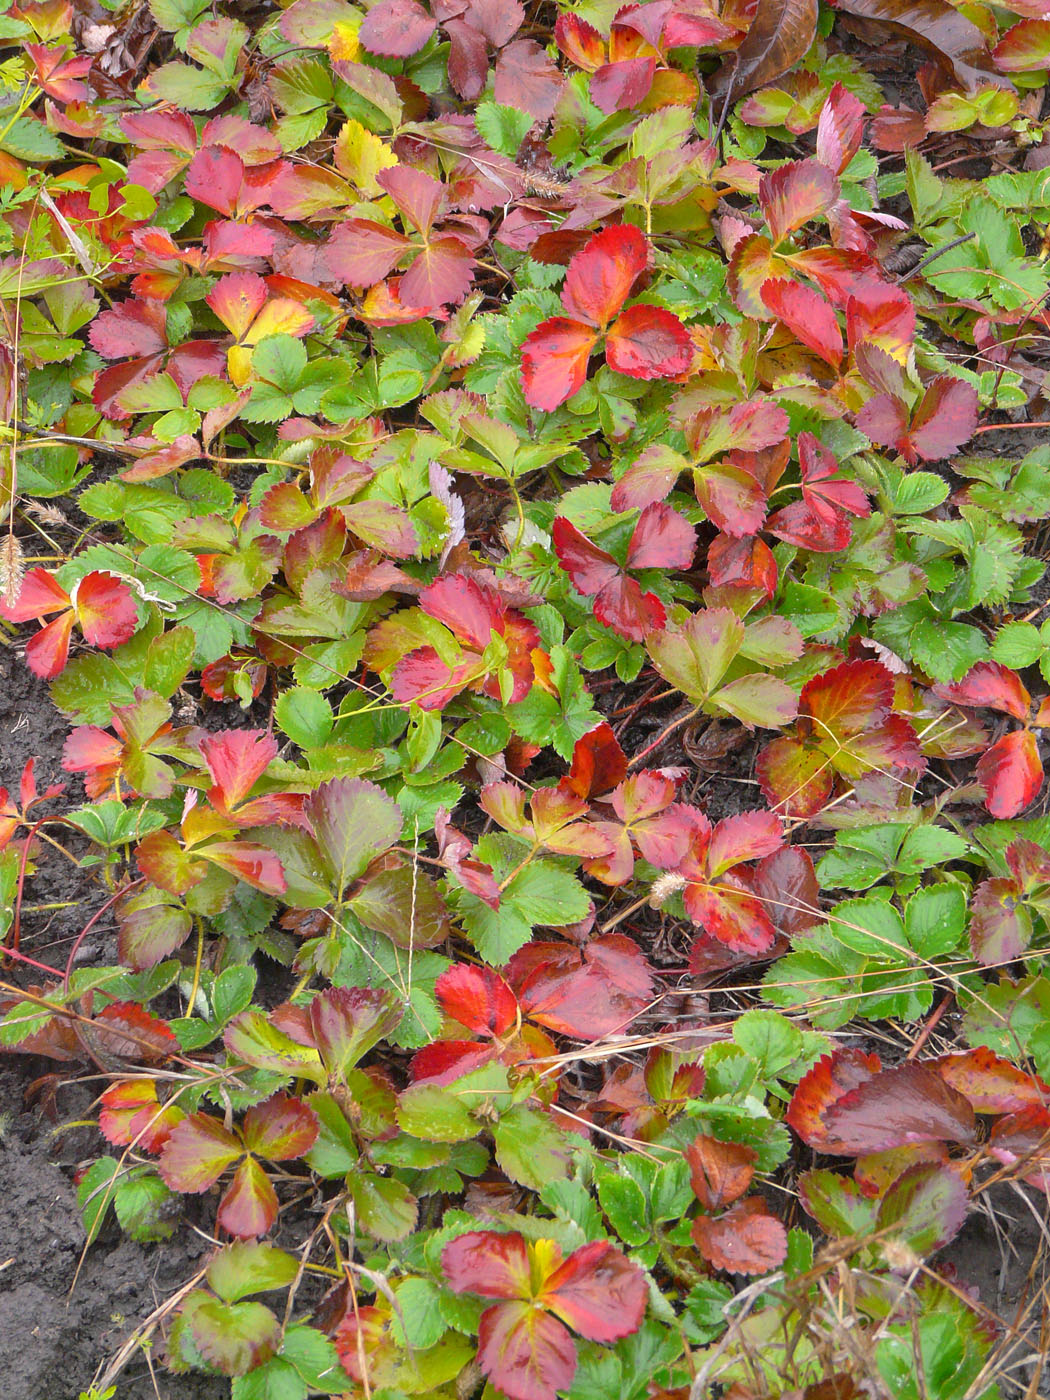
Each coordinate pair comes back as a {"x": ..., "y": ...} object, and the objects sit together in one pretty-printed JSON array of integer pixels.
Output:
[
  {"x": 282, "y": 316},
  {"x": 239, "y": 364},
  {"x": 360, "y": 155},
  {"x": 466, "y": 348},
  {"x": 343, "y": 42}
]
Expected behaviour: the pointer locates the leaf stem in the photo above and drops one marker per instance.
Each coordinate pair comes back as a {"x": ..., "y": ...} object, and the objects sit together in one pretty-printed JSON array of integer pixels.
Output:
[
  {"x": 937, "y": 253},
  {"x": 664, "y": 733}
]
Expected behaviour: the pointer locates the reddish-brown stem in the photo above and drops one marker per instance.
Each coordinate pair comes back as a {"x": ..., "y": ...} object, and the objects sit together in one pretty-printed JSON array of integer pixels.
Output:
[
  {"x": 16, "y": 922},
  {"x": 931, "y": 1024},
  {"x": 125, "y": 889},
  {"x": 1008, "y": 427},
  {"x": 31, "y": 962},
  {"x": 664, "y": 733},
  {"x": 649, "y": 695}
]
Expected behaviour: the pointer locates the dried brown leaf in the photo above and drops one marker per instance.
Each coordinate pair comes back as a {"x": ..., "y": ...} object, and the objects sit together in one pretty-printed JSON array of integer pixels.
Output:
[
  {"x": 940, "y": 29},
  {"x": 780, "y": 35}
]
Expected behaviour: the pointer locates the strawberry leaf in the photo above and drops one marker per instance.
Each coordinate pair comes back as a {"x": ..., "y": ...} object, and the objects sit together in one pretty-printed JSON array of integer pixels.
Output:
[
  {"x": 1011, "y": 773},
  {"x": 197, "y": 1153},
  {"x": 601, "y": 275},
  {"x": 598, "y": 1292},
  {"x": 554, "y": 361},
  {"x": 396, "y": 28},
  {"x": 249, "y": 1205},
  {"x": 888, "y": 1108},
  {"x": 647, "y": 342},
  {"x": 745, "y": 1240}
]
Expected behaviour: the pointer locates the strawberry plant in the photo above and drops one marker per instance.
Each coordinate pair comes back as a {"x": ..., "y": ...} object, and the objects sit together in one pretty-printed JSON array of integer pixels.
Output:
[{"x": 546, "y": 670}]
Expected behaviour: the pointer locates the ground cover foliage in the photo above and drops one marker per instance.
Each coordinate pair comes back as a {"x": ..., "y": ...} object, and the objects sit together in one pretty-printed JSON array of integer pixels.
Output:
[{"x": 552, "y": 677}]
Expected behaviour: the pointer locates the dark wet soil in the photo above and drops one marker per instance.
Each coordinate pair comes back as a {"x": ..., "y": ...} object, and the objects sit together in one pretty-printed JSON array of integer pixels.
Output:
[{"x": 65, "y": 1312}]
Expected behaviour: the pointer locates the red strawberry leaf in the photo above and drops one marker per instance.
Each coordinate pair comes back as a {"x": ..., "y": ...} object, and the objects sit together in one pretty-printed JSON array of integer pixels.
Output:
[
  {"x": 396, "y": 28},
  {"x": 131, "y": 1032},
  {"x": 662, "y": 539},
  {"x": 249, "y": 1205},
  {"x": 778, "y": 36},
  {"x": 468, "y": 59},
  {"x": 991, "y": 1083},
  {"x": 346, "y": 1022},
  {"x": 1000, "y": 923},
  {"x": 236, "y": 759},
  {"x": 799, "y": 524},
  {"x": 832, "y": 1077},
  {"x": 598, "y": 763},
  {"x": 848, "y": 699},
  {"x": 619, "y": 86},
  {"x": 647, "y": 342},
  {"x": 807, "y": 315},
  {"x": 591, "y": 569},
  {"x": 48, "y": 651},
  {"x": 362, "y": 252},
  {"x": 131, "y": 1113},
  {"x": 442, "y": 272},
  {"x": 730, "y": 913},
  {"x": 40, "y": 594},
  {"x": 587, "y": 993},
  {"x": 598, "y": 1292},
  {"x": 1011, "y": 773},
  {"x": 719, "y": 1172},
  {"x": 787, "y": 883},
  {"x": 554, "y": 361},
  {"x": 105, "y": 609},
  {"x": 840, "y": 128},
  {"x": 741, "y": 564},
  {"x": 579, "y": 41},
  {"x": 255, "y": 865},
  {"x": 132, "y": 328},
  {"x": 745, "y": 1240},
  {"x": 478, "y": 998},
  {"x": 527, "y": 1354},
  {"x": 421, "y": 200},
  {"x": 528, "y": 79},
  {"x": 280, "y": 1128},
  {"x": 909, "y": 1103},
  {"x": 823, "y": 488},
  {"x": 1021, "y": 1136},
  {"x": 619, "y": 603},
  {"x": 601, "y": 275},
  {"x": 943, "y": 422},
  {"x": 58, "y": 75},
  {"x": 989, "y": 685},
  {"x": 489, "y": 1263},
  {"x": 731, "y": 497},
  {"x": 797, "y": 778},
  {"x": 747, "y": 836},
  {"x": 793, "y": 194}
]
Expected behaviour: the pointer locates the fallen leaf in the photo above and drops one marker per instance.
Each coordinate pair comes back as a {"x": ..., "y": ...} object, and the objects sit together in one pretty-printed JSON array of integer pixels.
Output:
[
  {"x": 939, "y": 28},
  {"x": 780, "y": 35}
]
